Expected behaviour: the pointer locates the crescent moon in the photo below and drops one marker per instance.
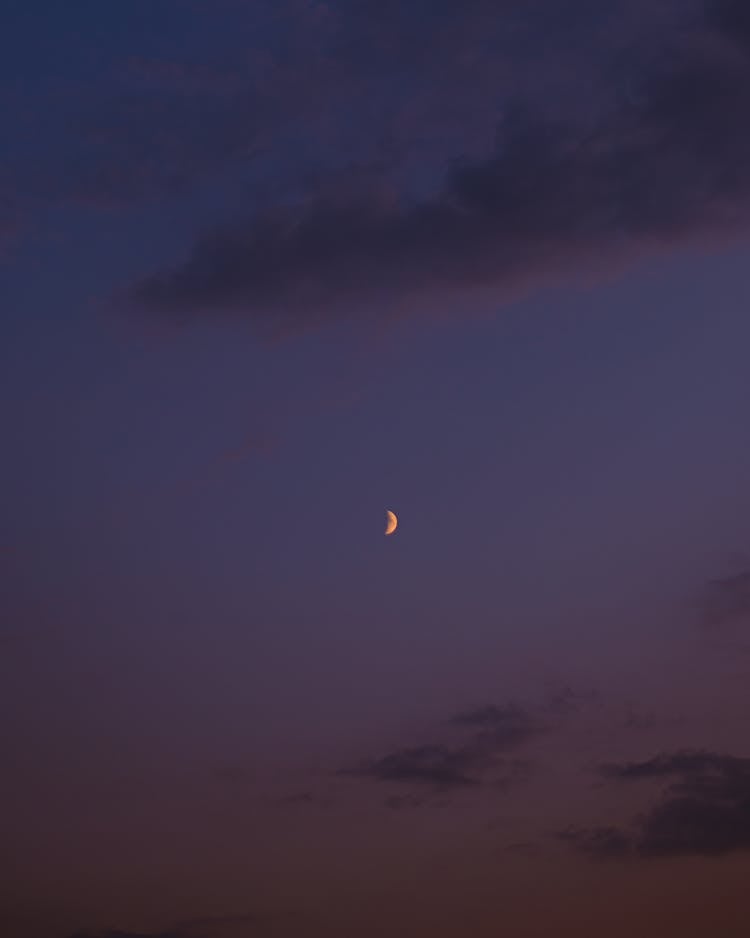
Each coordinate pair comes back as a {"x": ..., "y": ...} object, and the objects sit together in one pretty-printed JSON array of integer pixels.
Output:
[{"x": 391, "y": 522}]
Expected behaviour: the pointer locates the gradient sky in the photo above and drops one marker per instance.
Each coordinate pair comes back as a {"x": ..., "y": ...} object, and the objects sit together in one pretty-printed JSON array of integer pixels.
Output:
[{"x": 269, "y": 267}]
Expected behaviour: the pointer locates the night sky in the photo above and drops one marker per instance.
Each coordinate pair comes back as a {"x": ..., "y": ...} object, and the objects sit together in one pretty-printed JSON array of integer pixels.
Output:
[{"x": 271, "y": 267}]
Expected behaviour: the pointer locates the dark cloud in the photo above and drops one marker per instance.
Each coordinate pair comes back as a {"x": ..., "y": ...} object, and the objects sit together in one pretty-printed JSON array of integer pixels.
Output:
[
  {"x": 709, "y": 825},
  {"x": 492, "y": 731},
  {"x": 726, "y": 600},
  {"x": 666, "y": 162},
  {"x": 705, "y": 810},
  {"x": 436, "y": 766}
]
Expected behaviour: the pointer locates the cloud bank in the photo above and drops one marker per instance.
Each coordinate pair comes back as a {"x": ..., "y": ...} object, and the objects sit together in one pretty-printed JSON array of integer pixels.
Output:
[
  {"x": 704, "y": 811},
  {"x": 665, "y": 163}
]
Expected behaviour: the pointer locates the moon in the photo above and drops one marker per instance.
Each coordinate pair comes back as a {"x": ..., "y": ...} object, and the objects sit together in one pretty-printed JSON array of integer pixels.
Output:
[{"x": 391, "y": 522}]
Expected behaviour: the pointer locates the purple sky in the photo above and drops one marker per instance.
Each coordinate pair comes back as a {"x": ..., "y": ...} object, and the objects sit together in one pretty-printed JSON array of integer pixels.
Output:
[{"x": 270, "y": 268}]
